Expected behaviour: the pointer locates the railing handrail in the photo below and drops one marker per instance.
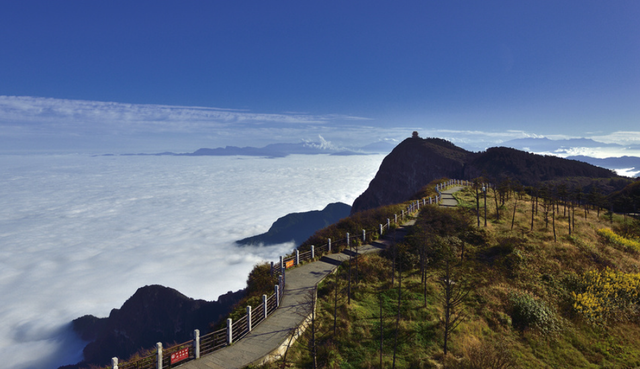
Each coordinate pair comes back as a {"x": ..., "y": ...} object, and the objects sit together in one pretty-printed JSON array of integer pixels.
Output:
[{"x": 215, "y": 340}]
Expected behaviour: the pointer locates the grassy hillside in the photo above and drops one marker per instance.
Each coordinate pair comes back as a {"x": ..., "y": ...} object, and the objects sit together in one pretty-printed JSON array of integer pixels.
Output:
[{"x": 508, "y": 295}]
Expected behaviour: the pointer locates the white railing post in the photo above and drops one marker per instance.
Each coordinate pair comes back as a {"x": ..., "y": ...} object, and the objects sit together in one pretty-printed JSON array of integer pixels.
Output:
[
  {"x": 114, "y": 363},
  {"x": 159, "y": 347},
  {"x": 395, "y": 218},
  {"x": 297, "y": 257},
  {"x": 364, "y": 236},
  {"x": 388, "y": 223},
  {"x": 196, "y": 343},
  {"x": 380, "y": 230},
  {"x": 277, "y": 295},
  {"x": 329, "y": 245},
  {"x": 313, "y": 252},
  {"x": 348, "y": 243},
  {"x": 229, "y": 331},
  {"x": 264, "y": 303},
  {"x": 249, "y": 317}
]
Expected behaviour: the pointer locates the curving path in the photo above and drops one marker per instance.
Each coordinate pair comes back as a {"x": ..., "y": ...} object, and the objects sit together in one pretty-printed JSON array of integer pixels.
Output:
[
  {"x": 269, "y": 339},
  {"x": 446, "y": 197}
]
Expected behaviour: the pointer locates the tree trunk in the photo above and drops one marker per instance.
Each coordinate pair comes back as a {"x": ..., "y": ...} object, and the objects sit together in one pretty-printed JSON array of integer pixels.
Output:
[
  {"x": 381, "y": 329},
  {"x": 349, "y": 284},
  {"x": 513, "y": 218},
  {"x": 395, "y": 344},
  {"x": 533, "y": 204},
  {"x": 495, "y": 196},
  {"x": 553, "y": 218},
  {"x": 335, "y": 307}
]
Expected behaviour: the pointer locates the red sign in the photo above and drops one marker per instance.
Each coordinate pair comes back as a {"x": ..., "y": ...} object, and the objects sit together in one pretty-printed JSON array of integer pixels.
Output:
[
  {"x": 180, "y": 355},
  {"x": 288, "y": 264}
]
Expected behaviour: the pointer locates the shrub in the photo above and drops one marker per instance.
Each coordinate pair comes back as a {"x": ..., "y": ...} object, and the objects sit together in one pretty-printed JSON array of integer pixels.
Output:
[
  {"x": 603, "y": 295},
  {"x": 529, "y": 312},
  {"x": 611, "y": 236},
  {"x": 354, "y": 224},
  {"x": 488, "y": 355},
  {"x": 260, "y": 281}
]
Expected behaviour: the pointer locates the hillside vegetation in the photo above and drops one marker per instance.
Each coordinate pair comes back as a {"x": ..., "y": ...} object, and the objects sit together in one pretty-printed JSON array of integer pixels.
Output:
[
  {"x": 417, "y": 161},
  {"x": 545, "y": 284}
]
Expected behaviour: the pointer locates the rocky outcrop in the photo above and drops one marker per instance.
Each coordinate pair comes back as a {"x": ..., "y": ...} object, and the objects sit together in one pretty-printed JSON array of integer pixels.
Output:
[
  {"x": 410, "y": 166},
  {"x": 298, "y": 227},
  {"x": 153, "y": 314}
]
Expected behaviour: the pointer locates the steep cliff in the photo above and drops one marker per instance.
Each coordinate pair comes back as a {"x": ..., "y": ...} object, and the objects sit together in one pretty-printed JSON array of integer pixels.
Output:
[
  {"x": 412, "y": 164},
  {"x": 153, "y": 314}
]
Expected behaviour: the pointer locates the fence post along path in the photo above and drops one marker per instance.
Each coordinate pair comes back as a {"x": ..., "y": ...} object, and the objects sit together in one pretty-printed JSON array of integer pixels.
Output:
[{"x": 263, "y": 337}]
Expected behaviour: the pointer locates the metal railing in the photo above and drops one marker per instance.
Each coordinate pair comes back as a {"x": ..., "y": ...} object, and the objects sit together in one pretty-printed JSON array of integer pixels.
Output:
[{"x": 192, "y": 350}]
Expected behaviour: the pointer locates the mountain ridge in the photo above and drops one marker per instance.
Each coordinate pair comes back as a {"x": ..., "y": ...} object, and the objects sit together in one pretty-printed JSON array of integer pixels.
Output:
[
  {"x": 417, "y": 161},
  {"x": 298, "y": 227}
]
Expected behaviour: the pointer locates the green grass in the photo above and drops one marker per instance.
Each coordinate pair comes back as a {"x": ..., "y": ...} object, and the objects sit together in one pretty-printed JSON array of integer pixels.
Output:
[{"x": 499, "y": 264}]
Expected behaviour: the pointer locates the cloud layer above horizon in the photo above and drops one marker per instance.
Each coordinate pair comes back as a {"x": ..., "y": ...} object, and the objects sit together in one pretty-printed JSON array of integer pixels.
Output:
[{"x": 34, "y": 124}]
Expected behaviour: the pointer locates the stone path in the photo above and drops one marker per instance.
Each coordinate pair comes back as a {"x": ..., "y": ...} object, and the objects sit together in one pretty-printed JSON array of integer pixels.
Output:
[
  {"x": 271, "y": 337},
  {"x": 447, "y": 199}
]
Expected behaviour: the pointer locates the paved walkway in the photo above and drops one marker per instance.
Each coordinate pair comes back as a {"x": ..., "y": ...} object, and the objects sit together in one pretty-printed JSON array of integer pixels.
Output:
[
  {"x": 447, "y": 199},
  {"x": 272, "y": 334}
]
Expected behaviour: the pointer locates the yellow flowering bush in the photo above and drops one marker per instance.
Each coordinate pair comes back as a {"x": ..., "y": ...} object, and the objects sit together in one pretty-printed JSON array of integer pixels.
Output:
[
  {"x": 607, "y": 294},
  {"x": 616, "y": 239}
]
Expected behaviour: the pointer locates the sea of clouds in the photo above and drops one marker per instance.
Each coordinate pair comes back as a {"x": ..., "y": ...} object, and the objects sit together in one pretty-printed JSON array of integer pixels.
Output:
[{"x": 79, "y": 234}]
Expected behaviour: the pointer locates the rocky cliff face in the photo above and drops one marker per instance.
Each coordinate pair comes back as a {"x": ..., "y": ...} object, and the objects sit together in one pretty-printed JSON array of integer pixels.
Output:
[
  {"x": 416, "y": 161},
  {"x": 153, "y": 314},
  {"x": 411, "y": 165}
]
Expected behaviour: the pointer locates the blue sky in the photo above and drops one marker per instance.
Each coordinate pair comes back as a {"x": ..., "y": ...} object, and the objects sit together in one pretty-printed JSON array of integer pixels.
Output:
[{"x": 103, "y": 75}]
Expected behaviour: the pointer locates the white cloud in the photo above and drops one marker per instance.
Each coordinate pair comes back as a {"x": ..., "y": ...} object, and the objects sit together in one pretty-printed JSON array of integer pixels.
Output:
[
  {"x": 33, "y": 123},
  {"x": 78, "y": 234},
  {"x": 480, "y": 138},
  {"x": 58, "y": 125},
  {"x": 628, "y": 172},
  {"x": 141, "y": 117},
  {"x": 619, "y": 137}
]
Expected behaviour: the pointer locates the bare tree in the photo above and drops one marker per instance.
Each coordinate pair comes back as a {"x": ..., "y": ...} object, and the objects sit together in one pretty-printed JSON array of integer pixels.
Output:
[
  {"x": 395, "y": 344},
  {"x": 335, "y": 304},
  {"x": 533, "y": 209},
  {"x": 293, "y": 333},
  {"x": 515, "y": 206},
  {"x": 454, "y": 293},
  {"x": 553, "y": 219},
  {"x": 476, "y": 186},
  {"x": 381, "y": 326},
  {"x": 495, "y": 197}
]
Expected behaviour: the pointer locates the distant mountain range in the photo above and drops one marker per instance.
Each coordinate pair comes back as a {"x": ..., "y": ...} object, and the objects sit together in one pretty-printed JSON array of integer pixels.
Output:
[
  {"x": 279, "y": 150},
  {"x": 623, "y": 162},
  {"x": 544, "y": 144}
]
